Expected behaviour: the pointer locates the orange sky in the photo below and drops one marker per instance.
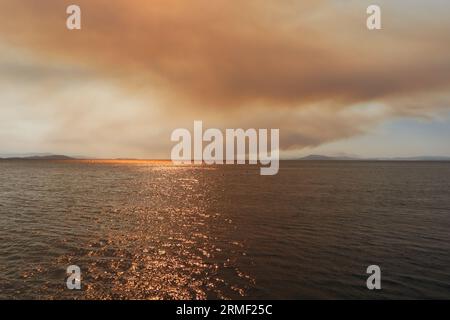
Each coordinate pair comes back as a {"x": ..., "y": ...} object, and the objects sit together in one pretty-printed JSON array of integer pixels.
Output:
[{"x": 139, "y": 69}]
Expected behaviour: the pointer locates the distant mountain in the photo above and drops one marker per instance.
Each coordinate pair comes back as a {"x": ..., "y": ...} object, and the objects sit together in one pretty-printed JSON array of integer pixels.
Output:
[
  {"x": 317, "y": 157},
  {"x": 40, "y": 157},
  {"x": 422, "y": 158}
]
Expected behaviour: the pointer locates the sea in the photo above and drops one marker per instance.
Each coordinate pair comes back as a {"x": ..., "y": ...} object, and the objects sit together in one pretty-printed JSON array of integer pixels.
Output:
[{"x": 154, "y": 230}]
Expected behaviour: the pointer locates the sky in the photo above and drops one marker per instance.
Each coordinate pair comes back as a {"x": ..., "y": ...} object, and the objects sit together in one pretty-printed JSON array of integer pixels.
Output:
[{"x": 139, "y": 69}]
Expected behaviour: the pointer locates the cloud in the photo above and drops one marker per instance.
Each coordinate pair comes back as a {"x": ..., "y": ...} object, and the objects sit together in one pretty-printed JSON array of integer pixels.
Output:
[{"x": 299, "y": 66}]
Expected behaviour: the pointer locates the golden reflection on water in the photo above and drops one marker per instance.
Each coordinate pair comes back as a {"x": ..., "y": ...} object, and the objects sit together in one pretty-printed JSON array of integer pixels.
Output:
[{"x": 163, "y": 241}]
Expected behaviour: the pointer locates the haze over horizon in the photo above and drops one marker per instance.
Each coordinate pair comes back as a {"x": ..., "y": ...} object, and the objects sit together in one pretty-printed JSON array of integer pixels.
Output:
[
  {"x": 47, "y": 155},
  {"x": 138, "y": 70}
]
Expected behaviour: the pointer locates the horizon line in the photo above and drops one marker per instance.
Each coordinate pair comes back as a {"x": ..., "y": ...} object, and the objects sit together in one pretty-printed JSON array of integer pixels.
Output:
[{"x": 311, "y": 157}]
